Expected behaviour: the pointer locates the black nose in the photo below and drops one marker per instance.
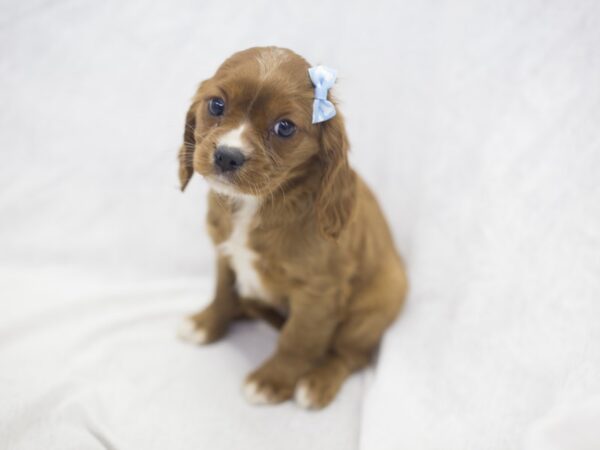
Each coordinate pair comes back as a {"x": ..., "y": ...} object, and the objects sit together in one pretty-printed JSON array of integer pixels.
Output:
[{"x": 228, "y": 158}]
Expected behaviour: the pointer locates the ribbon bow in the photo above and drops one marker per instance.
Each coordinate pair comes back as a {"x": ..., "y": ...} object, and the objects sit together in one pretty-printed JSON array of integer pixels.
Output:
[{"x": 323, "y": 78}]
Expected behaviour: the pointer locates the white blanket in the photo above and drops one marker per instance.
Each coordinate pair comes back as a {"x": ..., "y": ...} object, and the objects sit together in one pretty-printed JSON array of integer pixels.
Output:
[{"x": 476, "y": 124}]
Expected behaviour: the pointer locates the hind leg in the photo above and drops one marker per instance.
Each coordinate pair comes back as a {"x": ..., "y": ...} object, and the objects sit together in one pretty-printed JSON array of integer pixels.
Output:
[{"x": 373, "y": 310}]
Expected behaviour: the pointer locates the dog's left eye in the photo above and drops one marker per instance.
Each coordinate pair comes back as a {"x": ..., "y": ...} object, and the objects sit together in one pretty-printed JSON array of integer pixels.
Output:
[
  {"x": 284, "y": 128},
  {"x": 216, "y": 106}
]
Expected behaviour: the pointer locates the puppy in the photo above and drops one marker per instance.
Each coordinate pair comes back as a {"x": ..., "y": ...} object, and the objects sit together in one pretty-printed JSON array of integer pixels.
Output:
[{"x": 300, "y": 239}]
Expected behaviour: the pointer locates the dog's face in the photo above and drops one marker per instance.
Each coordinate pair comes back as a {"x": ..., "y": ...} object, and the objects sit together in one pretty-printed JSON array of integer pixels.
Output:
[
  {"x": 249, "y": 130},
  {"x": 251, "y": 122}
]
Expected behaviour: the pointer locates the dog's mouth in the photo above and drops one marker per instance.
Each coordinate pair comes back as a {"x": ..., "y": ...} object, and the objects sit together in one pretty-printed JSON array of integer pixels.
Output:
[
  {"x": 218, "y": 180},
  {"x": 223, "y": 184}
]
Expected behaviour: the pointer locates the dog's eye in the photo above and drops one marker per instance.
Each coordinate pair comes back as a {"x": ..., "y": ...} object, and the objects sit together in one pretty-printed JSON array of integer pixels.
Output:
[
  {"x": 216, "y": 106},
  {"x": 284, "y": 128}
]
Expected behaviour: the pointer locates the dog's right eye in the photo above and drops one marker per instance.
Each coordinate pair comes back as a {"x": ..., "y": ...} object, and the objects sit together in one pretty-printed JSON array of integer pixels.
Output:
[
  {"x": 216, "y": 106},
  {"x": 284, "y": 128}
]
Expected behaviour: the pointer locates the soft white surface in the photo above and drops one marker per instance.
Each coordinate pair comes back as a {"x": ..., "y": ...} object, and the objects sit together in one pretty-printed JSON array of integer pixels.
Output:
[
  {"x": 88, "y": 363},
  {"x": 475, "y": 122}
]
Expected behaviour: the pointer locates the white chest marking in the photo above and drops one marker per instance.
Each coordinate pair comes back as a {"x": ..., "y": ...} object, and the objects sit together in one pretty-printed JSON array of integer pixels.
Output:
[{"x": 242, "y": 258}]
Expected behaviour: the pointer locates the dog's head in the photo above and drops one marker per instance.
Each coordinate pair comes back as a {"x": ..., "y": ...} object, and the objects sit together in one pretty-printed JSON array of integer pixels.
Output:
[{"x": 249, "y": 131}]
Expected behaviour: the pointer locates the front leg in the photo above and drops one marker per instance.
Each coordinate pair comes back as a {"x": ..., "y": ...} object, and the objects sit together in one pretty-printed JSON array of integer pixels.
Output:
[
  {"x": 211, "y": 323},
  {"x": 304, "y": 340}
]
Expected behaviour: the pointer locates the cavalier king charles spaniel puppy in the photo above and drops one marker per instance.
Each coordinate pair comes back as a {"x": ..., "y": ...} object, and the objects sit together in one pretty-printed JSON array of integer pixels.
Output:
[{"x": 300, "y": 239}]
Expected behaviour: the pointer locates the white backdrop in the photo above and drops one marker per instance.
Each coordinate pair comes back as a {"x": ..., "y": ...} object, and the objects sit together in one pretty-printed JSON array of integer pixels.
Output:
[{"x": 476, "y": 123}]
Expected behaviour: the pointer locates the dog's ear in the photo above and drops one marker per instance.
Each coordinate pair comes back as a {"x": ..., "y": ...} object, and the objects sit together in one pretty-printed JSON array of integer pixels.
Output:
[
  {"x": 337, "y": 194},
  {"x": 186, "y": 151}
]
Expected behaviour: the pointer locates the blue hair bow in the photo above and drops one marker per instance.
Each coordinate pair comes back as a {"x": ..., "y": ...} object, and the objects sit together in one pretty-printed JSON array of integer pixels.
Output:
[{"x": 323, "y": 78}]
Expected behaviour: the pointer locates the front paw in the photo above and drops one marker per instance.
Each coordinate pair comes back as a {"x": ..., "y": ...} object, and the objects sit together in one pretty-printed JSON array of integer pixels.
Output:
[
  {"x": 316, "y": 389},
  {"x": 269, "y": 385},
  {"x": 202, "y": 328}
]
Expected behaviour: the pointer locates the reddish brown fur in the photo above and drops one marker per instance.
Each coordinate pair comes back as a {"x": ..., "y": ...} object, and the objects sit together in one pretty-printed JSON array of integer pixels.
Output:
[{"x": 324, "y": 250}]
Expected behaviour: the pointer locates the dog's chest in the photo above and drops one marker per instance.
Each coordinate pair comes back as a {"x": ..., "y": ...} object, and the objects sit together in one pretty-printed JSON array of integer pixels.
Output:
[{"x": 242, "y": 257}]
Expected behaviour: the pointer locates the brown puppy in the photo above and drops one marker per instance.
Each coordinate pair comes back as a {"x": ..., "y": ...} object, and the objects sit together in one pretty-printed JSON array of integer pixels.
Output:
[{"x": 300, "y": 239}]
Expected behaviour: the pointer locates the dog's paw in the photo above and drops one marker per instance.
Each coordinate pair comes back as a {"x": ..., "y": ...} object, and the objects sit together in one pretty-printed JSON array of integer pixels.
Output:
[
  {"x": 315, "y": 390},
  {"x": 257, "y": 394},
  {"x": 203, "y": 328},
  {"x": 191, "y": 332},
  {"x": 303, "y": 396},
  {"x": 263, "y": 388}
]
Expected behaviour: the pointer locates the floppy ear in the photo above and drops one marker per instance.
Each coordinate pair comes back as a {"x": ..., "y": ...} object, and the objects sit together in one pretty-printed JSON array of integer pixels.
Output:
[
  {"x": 337, "y": 194},
  {"x": 186, "y": 151}
]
